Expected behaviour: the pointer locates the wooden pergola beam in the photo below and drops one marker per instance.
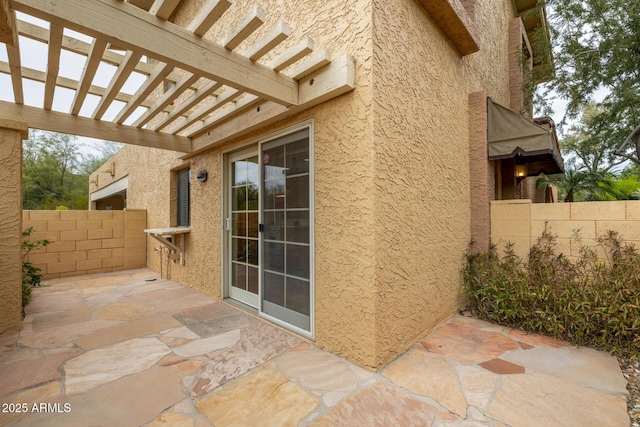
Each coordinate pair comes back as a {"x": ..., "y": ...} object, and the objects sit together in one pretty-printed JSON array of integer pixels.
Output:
[
  {"x": 254, "y": 20},
  {"x": 53, "y": 65},
  {"x": 8, "y": 27},
  {"x": 74, "y": 45},
  {"x": 53, "y": 121},
  {"x": 207, "y": 16},
  {"x": 293, "y": 54},
  {"x": 218, "y": 102},
  {"x": 157, "y": 77},
  {"x": 13, "y": 52},
  {"x": 272, "y": 39},
  {"x": 134, "y": 29},
  {"x": 116, "y": 83},
  {"x": 164, "y": 8},
  {"x": 166, "y": 99},
  {"x": 331, "y": 81},
  {"x": 67, "y": 83},
  {"x": 195, "y": 98},
  {"x": 89, "y": 71}
]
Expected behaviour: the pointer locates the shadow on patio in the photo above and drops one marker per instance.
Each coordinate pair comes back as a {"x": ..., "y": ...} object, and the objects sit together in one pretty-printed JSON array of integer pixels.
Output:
[{"x": 117, "y": 349}]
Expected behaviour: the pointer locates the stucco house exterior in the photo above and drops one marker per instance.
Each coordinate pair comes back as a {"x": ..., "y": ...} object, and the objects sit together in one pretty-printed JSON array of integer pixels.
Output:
[{"x": 343, "y": 220}]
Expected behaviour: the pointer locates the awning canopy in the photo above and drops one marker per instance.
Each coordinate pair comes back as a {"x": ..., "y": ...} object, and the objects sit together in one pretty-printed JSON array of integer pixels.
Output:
[{"x": 510, "y": 135}]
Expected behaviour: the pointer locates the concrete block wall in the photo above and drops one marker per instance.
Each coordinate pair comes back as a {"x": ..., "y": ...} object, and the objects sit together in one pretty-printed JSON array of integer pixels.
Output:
[
  {"x": 87, "y": 242},
  {"x": 522, "y": 223}
]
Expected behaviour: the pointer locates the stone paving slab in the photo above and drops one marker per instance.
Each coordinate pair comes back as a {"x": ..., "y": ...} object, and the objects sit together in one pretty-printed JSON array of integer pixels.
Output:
[
  {"x": 26, "y": 373},
  {"x": 115, "y": 350},
  {"x": 126, "y": 331}
]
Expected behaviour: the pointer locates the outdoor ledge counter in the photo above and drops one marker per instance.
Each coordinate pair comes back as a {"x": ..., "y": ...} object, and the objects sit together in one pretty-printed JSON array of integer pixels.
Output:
[{"x": 162, "y": 234}]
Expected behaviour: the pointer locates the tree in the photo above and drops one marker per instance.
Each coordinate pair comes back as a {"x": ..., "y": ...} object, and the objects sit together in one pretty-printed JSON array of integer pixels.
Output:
[
  {"x": 55, "y": 171},
  {"x": 580, "y": 184},
  {"x": 590, "y": 142},
  {"x": 597, "y": 51}
]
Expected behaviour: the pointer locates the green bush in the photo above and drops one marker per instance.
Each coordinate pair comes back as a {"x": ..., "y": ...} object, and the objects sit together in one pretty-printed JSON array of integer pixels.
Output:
[
  {"x": 586, "y": 301},
  {"x": 31, "y": 275}
]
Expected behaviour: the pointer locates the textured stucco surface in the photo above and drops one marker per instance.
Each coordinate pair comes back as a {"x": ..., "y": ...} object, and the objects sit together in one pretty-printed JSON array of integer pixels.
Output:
[
  {"x": 11, "y": 134},
  {"x": 421, "y": 143},
  {"x": 392, "y": 182}
]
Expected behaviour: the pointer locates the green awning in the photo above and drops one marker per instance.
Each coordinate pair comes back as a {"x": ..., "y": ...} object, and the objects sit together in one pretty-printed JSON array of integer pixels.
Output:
[{"x": 510, "y": 135}]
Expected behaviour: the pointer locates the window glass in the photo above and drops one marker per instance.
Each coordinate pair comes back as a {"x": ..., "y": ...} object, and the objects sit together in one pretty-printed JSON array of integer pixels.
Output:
[{"x": 183, "y": 198}]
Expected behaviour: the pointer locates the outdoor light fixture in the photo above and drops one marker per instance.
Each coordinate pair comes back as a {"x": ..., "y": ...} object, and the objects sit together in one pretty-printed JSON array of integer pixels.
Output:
[
  {"x": 202, "y": 175},
  {"x": 521, "y": 171}
]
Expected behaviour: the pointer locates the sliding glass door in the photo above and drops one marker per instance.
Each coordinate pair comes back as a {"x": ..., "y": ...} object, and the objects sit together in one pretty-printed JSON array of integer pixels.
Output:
[
  {"x": 270, "y": 233},
  {"x": 286, "y": 275},
  {"x": 242, "y": 228}
]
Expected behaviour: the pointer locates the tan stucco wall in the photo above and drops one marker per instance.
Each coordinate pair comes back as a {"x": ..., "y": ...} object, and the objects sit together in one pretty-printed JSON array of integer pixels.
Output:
[
  {"x": 522, "y": 223},
  {"x": 392, "y": 208},
  {"x": 11, "y": 135},
  {"x": 87, "y": 242},
  {"x": 421, "y": 138}
]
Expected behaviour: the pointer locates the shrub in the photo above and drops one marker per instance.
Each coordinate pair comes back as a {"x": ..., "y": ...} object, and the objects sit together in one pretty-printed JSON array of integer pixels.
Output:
[
  {"x": 586, "y": 301},
  {"x": 31, "y": 275}
]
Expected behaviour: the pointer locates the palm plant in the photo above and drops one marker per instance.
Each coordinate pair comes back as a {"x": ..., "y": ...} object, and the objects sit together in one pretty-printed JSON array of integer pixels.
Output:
[{"x": 581, "y": 184}]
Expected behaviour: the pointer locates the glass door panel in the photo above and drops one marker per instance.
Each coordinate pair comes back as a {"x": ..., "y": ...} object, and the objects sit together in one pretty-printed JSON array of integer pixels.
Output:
[
  {"x": 242, "y": 220},
  {"x": 286, "y": 248}
]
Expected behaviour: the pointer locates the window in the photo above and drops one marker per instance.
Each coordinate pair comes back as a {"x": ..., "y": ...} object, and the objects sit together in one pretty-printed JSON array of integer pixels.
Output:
[
  {"x": 183, "y": 198},
  {"x": 521, "y": 85}
]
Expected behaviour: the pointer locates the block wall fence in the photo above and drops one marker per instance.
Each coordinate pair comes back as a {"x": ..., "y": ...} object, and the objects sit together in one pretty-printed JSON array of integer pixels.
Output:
[
  {"x": 522, "y": 223},
  {"x": 87, "y": 242}
]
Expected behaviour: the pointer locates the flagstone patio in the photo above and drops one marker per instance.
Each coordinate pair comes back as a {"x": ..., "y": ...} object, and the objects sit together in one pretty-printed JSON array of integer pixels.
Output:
[{"x": 117, "y": 349}]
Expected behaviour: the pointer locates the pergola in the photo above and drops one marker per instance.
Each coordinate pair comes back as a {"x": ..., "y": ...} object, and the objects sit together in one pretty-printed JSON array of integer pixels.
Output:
[{"x": 196, "y": 93}]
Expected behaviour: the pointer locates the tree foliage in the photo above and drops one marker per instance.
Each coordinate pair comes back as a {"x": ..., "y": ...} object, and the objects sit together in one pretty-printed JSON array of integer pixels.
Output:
[
  {"x": 596, "y": 45},
  {"x": 588, "y": 140},
  {"x": 56, "y": 171}
]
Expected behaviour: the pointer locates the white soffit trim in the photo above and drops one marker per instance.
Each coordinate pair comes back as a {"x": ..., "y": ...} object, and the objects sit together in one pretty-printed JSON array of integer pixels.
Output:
[{"x": 111, "y": 189}]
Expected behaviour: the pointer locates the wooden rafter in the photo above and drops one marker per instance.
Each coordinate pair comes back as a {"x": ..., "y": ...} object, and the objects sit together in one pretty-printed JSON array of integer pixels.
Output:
[
  {"x": 74, "y": 45},
  {"x": 293, "y": 54},
  {"x": 157, "y": 77},
  {"x": 195, "y": 98},
  {"x": 134, "y": 29},
  {"x": 8, "y": 28},
  {"x": 13, "y": 52},
  {"x": 53, "y": 65},
  {"x": 207, "y": 16},
  {"x": 122, "y": 74},
  {"x": 89, "y": 71},
  {"x": 163, "y": 8},
  {"x": 166, "y": 99},
  {"x": 224, "y": 113},
  {"x": 67, "y": 83},
  {"x": 272, "y": 39},
  {"x": 328, "y": 82},
  {"x": 311, "y": 64},
  {"x": 218, "y": 102},
  {"x": 245, "y": 28}
]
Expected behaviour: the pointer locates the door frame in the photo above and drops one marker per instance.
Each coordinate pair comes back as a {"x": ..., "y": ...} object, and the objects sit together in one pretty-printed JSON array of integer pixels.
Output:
[
  {"x": 255, "y": 145},
  {"x": 244, "y": 153}
]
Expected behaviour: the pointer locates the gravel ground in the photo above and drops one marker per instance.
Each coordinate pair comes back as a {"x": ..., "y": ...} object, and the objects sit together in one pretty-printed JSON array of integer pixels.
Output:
[{"x": 631, "y": 370}]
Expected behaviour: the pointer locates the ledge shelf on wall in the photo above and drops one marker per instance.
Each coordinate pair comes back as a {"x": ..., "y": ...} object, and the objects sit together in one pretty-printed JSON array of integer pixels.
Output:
[{"x": 163, "y": 235}]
